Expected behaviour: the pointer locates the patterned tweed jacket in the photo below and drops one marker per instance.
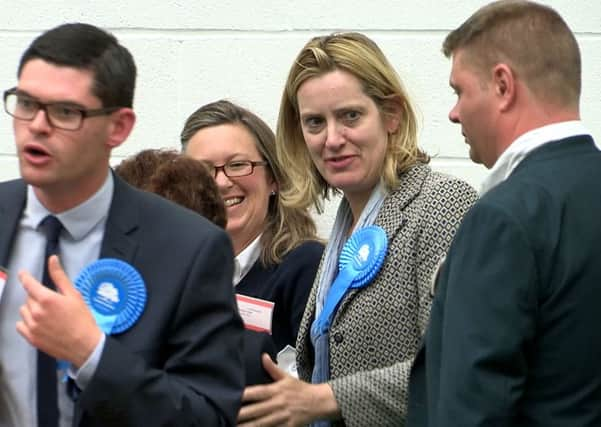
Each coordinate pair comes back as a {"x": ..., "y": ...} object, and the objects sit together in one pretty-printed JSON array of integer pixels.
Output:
[{"x": 377, "y": 329}]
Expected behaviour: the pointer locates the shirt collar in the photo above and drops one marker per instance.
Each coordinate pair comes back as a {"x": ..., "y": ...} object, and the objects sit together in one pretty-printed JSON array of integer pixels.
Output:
[
  {"x": 78, "y": 221},
  {"x": 246, "y": 259},
  {"x": 522, "y": 146}
]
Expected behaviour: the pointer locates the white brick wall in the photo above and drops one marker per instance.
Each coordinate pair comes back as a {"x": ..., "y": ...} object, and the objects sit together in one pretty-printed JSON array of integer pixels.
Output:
[{"x": 192, "y": 52}]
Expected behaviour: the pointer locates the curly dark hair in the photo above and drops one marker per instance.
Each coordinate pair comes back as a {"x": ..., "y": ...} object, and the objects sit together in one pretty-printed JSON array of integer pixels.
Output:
[{"x": 176, "y": 177}]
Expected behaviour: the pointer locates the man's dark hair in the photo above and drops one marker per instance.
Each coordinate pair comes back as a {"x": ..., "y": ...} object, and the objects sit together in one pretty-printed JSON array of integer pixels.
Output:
[{"x": 88, "y": 47}]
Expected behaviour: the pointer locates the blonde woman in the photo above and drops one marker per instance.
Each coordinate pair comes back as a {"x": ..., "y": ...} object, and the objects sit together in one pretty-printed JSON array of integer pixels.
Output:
[{"x": 346, "y": 125}]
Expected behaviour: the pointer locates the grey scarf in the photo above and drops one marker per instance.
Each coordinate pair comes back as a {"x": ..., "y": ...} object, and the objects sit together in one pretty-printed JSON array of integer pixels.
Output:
[{"x": 338, "y": 237}]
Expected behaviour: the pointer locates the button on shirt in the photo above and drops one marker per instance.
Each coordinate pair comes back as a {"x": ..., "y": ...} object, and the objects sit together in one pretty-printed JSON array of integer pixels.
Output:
[{"x": 79, "y": 245}]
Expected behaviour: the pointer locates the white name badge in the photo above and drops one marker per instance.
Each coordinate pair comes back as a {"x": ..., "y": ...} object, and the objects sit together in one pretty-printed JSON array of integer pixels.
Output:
[
  {"x": 3, "y": 278},
  {"x": 256, "y": 313}
]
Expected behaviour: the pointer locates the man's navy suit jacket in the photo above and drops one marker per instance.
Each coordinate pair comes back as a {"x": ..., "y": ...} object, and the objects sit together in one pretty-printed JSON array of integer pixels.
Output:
[
  {"x": 515, "y": 331},
  {"x": 181, "y": 363}
]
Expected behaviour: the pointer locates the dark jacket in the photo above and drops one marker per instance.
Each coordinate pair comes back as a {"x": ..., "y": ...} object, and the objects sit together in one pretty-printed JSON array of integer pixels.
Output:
[
  {"x": 180, "y": 363},
  {"x": 514, "y": 338}
]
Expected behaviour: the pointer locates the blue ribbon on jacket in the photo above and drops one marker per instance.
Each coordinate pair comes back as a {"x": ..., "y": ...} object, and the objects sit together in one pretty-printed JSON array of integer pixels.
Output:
[{"x": 360, "y": 260}]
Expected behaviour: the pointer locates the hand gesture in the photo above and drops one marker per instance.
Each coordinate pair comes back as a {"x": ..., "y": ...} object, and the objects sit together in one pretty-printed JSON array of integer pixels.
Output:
[
  {"x": 59, "y": 322},
  {"x": 286, "y": 402}
]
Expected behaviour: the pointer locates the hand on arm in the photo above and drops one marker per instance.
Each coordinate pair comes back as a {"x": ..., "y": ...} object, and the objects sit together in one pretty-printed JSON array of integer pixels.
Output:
[
  {"x": 288, "y": 401},
  {"x": 58, "y": 323}
]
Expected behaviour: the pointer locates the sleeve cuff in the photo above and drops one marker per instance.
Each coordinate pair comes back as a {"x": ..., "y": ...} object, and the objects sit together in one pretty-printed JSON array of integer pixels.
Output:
[{"x": 85, "y": 373}]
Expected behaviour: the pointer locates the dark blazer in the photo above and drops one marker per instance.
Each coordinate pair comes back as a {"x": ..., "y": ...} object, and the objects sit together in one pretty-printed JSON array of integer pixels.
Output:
[
  {"x": 514, "y": 336},
  {"x": 255, "y": 344},
  {"x": 180, "y": 364},
  {"x": 287, "y": 284}
]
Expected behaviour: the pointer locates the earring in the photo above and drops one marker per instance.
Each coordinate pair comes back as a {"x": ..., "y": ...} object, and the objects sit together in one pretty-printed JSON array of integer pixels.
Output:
[{"x": 273, "y": 193}]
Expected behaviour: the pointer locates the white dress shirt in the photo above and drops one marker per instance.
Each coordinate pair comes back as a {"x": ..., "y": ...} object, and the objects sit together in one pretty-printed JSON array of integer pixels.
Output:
[
  {"x": 527, "y": 142},
  {"x": 244, "y": 261}
]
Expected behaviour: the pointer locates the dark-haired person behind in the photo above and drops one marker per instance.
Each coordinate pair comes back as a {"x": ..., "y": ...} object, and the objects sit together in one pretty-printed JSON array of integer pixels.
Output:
[
  {"x": 188, "y": 182},
  {"x": 176, "y": 177},
  {"x": 178, "y": 363},
  {"x": 276, "y": 247}
]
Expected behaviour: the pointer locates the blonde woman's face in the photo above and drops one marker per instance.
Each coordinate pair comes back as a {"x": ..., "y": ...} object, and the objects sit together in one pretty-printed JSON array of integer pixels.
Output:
[
  {"x": 345, "y": 133},
  {"x": 246, "y": 198}
]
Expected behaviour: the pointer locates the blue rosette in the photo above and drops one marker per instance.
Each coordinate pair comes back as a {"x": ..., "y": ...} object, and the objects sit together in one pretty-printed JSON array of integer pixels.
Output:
[
  {"x": 115, "y": 293},
  {"x": 360, "y": 260}
]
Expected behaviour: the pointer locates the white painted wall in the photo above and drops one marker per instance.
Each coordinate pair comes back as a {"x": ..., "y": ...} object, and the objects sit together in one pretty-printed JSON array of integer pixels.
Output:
[{"x": 190, "y": 52}]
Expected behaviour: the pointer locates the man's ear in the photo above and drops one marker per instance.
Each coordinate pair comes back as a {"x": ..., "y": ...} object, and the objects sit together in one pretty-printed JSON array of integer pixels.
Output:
[
  {"x": 122, "y": 123},
  {"x": 503, "y": 79}
]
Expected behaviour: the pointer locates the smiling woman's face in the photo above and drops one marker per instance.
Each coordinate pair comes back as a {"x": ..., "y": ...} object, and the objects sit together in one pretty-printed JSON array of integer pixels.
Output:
[{"x": 246, "y": 198}]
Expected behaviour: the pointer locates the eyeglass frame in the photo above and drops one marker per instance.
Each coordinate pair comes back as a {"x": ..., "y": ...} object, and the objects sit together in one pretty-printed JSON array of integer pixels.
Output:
[
  {"x": 214, "y": 170},
  {"x": 84, "y": 112}
]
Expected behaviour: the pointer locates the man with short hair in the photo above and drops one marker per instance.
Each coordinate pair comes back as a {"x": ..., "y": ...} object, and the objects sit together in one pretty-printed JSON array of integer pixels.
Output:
[
  {"x": 512, "y": 339},
  {"x": 174, "y": 358}
]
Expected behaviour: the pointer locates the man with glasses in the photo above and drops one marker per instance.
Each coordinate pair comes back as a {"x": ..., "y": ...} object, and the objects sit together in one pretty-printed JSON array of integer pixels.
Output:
[
  {"x": 60, "y": 115},
  {"x": 179, "y": 362}
]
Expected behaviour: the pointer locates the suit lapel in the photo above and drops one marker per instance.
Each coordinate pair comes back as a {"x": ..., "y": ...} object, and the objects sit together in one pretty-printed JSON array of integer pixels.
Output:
[
  {"x": 392, "y": 217},
  {"x": 118, "y": 242},
  {"x": 121, "y": 225},
  {"x": 12, "y": 203}
]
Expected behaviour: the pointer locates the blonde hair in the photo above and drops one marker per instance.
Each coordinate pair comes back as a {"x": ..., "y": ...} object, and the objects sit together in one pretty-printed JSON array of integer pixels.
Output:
[
  {"x": 285, "y": 227},
  {"x": 532, "y": 39},
  {"x": 360, "y": 56}
]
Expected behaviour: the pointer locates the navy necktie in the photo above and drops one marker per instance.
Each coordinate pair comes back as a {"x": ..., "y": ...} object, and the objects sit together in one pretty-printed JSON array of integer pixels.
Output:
[{"x": 46, "y": 377}]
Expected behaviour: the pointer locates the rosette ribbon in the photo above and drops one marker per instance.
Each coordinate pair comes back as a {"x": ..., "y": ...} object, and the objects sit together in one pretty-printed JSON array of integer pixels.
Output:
[
  {"x": 360, "y": 260},
  {"x": 115, "y": 293}
]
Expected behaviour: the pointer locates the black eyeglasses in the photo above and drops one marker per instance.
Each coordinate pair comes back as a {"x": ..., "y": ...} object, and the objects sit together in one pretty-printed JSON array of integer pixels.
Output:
[
  {"x": 59, "y": 115},
  {"x": 235, "y": 168}
]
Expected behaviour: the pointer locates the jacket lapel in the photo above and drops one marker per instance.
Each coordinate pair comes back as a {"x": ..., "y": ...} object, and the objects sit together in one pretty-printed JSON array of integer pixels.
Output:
[
  {"x": 12, "y": 202},
  {"x": 392, "y": 217},
  {"x": 118, "y": 242},
  {"x": 121, "y": 225}
]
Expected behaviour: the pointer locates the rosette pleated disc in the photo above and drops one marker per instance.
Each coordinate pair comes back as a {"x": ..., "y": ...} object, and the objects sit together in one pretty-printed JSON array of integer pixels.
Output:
[
  {"x": 128, "y": 296},
  {"x": 364, "y": 253}
]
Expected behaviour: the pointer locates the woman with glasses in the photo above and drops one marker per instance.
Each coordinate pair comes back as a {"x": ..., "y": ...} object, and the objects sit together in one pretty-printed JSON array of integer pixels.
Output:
[{"x": 276, "y": 247}]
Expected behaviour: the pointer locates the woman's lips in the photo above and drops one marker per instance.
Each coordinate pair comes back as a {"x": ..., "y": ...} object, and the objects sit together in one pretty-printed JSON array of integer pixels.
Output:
[
  {"x": 232, "y": 201},
  {"x": 340, "y": 162}
]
